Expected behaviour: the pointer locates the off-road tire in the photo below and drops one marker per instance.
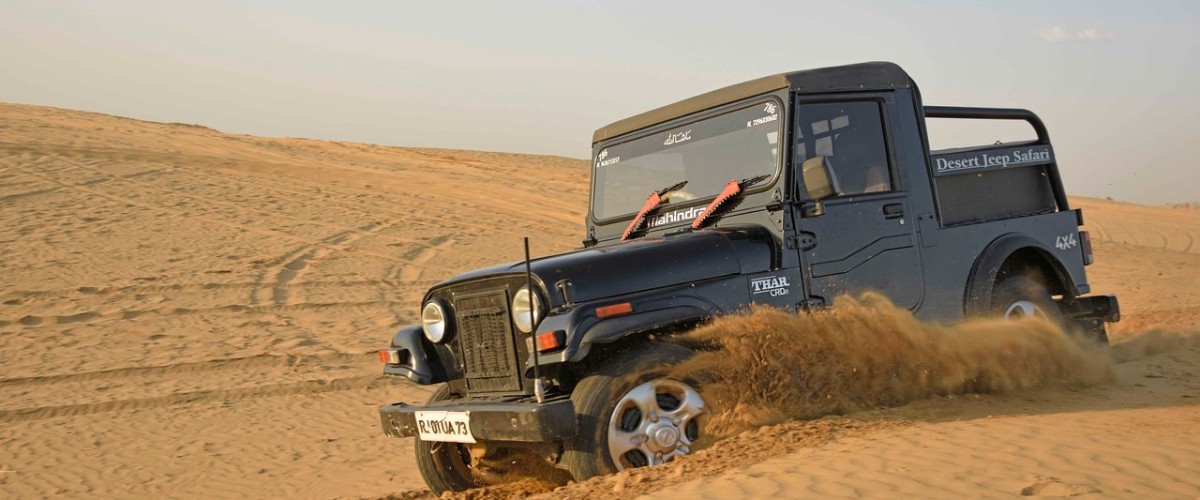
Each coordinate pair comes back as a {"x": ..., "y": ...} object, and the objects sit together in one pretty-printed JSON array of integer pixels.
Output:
[
  {"x": 445, "y": 466},
  {"x": 1013, "y": 296},
  {"x": 596, "y": 396}
]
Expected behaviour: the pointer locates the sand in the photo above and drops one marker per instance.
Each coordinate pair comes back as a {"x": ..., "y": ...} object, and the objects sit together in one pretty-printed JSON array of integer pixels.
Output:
[{"x": 188, "y": 313}]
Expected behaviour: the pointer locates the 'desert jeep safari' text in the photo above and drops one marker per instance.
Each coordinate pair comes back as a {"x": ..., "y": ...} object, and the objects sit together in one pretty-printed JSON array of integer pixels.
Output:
[{"x": 785, "y": 191}]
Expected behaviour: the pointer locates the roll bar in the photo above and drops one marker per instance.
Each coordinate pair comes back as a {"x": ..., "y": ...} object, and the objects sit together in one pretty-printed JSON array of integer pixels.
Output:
[
  {"x": 991, "y": 114},
  {"x": 1025, "y": 115}
]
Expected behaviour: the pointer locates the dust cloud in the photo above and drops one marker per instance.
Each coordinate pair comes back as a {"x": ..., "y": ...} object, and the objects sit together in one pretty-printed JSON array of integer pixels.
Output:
[
  {"x": 767, "y": 366},
  {"x": 1153, "y": 342}
]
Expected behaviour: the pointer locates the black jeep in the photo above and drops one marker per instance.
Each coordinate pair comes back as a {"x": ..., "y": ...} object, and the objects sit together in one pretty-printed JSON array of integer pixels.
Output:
[{"x": 788, "y": 191}]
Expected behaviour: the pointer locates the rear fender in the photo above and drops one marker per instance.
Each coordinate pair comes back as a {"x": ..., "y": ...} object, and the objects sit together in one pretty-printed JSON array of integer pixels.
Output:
[{"x": 978, "y": 294}]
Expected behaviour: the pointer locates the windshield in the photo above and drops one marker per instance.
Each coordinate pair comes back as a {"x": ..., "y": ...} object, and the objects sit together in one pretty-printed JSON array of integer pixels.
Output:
[{"x": 707, "y": 154}]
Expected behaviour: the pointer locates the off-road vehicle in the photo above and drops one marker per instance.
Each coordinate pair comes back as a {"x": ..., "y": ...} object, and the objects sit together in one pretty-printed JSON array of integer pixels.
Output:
[{"x": 788, "y": 191}]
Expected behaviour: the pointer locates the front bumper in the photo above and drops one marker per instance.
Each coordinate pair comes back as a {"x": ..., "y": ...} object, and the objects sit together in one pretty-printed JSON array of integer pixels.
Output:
[{"x": 492, "y": 421}]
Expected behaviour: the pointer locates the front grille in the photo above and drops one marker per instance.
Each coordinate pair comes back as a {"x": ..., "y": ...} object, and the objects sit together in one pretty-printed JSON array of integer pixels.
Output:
[{"x": 486, "y": 337}]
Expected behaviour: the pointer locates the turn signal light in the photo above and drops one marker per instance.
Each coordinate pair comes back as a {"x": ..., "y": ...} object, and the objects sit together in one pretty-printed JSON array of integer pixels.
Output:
[
  {"x": 550, "y": 341},
  {"x": 389, "y": 356},
  {"x": 614, "y": 310}
]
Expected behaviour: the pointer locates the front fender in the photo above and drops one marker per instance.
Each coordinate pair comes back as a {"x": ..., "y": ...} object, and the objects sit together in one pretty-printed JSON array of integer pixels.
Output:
[
  {"x": 650, "y": 314},
  {"x": 420, "y": 359},
  {"x": 652, "y": 311},
  {"x": 618, "y": 328}
]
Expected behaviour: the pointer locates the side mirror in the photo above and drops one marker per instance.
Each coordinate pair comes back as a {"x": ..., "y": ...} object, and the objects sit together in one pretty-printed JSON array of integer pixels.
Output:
[
  {"x": 819, "y": 179},
  {"x": 820, "y": 183}
]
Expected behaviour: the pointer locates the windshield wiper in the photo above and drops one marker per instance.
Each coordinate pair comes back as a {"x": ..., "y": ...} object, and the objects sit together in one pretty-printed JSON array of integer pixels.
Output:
[
  {"x": 656, "y": 198},
  {"x": 732, "y": 189}
]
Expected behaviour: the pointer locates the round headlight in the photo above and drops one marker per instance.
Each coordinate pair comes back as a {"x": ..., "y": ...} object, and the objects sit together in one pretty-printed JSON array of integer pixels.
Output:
[
  {"x": 433, "y": 321},
  {"x": 523, "y": 302}
]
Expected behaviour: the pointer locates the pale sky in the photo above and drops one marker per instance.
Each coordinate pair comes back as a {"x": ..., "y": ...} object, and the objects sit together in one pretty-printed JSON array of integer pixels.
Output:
[{"x": 1115, "y": 82}]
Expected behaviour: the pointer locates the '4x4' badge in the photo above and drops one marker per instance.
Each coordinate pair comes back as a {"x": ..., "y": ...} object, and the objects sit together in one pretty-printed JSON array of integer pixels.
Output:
[{"x": 1066, "y": 242}]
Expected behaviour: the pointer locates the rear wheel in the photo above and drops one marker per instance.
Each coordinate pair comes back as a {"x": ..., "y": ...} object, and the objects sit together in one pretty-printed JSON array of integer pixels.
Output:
[
  {"x": 445, "y": 466},
  {"x": 1021, "y": 296},
  {"x": 632, "y": 413}
]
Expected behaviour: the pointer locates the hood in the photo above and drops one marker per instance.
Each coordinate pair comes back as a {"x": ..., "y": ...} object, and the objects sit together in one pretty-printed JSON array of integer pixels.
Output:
[{"x": 645, "y": 264}]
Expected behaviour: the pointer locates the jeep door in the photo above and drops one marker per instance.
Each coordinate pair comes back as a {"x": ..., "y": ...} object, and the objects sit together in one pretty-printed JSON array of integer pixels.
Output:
[{"x": 864, "y": 240}]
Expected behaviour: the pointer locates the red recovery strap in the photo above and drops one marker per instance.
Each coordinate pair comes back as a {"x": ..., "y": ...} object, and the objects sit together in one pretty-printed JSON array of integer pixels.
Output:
[
  {"x": 731, "y": 190},
  {"x": 651, "y": 203}
]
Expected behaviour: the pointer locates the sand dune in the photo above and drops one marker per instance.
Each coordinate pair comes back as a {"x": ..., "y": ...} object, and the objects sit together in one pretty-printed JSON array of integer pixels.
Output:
[
  {"x": 186, "y": 312},
  {"x": 190, "y": 313}
]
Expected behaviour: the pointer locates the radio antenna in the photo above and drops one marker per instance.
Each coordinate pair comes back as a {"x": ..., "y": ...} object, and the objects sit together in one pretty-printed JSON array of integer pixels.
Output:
[{"x": 539, "y": 392}]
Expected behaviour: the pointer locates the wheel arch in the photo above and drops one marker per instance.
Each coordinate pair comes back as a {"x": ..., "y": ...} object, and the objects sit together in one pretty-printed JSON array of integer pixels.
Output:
[
  {"x": 1010, "y": 254},
  {"x": 638, "y": 326}
]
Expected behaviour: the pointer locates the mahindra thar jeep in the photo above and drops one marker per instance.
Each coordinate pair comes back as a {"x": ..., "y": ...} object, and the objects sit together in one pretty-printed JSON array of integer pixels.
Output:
[{"x": 784, "y": 191}]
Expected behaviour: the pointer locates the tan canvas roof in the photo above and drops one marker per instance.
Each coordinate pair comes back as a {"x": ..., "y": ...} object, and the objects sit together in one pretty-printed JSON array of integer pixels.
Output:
[{"x": 862, "y": 76}]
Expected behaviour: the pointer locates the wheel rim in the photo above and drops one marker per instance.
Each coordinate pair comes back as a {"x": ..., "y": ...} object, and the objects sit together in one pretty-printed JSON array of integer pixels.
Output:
[
  {"x": 1023, "y": 309},
  {"x": 654, "y": 423},
  {"x": 456, "y": 456}
]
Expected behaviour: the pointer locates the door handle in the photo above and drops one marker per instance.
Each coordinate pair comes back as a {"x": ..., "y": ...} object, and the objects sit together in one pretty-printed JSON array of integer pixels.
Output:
[{"x": 893, "y": 210}]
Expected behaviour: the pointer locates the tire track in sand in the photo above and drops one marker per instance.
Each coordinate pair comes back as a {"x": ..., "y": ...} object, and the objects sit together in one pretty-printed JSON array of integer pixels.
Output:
[
  {"x": 222, "y": 395},
  {"x": 246, "y": 285},
  {"x": 252, "y": 229},
  {"x": 96, "y": 317},
  {"x": 159, "y": 189},
  {"x": 416, "y": 264},
  {"x": 290, "y": 265},
  {"x": 191, "y": 368}
]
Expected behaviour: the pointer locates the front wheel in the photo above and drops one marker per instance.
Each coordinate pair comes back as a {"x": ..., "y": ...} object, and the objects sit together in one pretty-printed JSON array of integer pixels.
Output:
[
  {"x": 445, "y": 466},
  {"x": 633, "y": 413}
]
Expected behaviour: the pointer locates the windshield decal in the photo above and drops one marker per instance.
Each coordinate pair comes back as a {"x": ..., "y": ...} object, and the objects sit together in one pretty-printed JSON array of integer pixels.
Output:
[
  {"x": 681, "y": 215},
  {"x": 677, "y": 138},
  {"x": 769, "y": 109},
  {"x": 602, "y": 159}
]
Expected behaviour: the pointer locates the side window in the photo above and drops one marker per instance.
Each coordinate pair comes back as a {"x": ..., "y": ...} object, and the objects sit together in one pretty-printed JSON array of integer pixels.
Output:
[{"x": 850, "y": 136}]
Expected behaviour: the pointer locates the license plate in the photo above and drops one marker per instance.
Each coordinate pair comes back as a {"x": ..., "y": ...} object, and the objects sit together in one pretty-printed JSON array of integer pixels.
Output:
[{"x": 452, "y": 426}]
